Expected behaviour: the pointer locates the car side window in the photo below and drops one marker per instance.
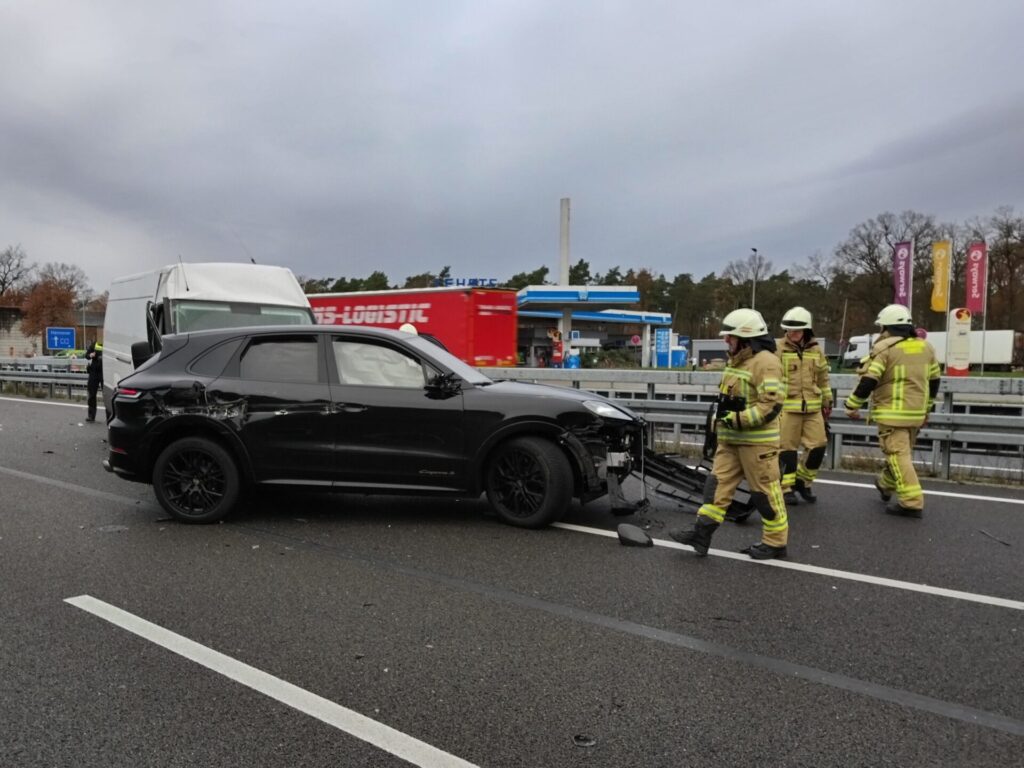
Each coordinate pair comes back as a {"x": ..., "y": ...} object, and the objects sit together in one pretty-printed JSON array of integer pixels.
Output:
[
  {"x": 291, "y": 360},
  {"x": 361, "y": 363}
]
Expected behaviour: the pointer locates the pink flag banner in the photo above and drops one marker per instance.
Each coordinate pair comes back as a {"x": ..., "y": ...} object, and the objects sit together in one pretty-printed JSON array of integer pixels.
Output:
[
  {"x": 902, "y": 272},
  {"x": 977, "y": 277}
]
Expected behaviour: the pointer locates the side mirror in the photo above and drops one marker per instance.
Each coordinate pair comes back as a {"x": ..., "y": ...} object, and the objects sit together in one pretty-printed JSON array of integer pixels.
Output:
[{"x": 141, "y": 352}]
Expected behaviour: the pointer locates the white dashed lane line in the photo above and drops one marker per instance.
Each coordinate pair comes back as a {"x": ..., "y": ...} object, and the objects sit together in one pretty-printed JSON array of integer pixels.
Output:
[{"x": 364, "y": 728}]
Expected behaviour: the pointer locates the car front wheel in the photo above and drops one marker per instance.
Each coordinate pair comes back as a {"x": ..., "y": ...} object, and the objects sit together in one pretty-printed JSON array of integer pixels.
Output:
[
  {"x": 529, "y": 482},
  {"x": 196, "y": 480}
]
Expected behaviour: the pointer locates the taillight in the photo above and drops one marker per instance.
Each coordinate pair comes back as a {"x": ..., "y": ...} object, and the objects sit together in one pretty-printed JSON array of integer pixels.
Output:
[{"x": 128, "y": 393}]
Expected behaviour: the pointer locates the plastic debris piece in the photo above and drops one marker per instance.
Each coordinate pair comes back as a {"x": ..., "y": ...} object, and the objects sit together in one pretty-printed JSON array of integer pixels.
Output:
[
  {"x": 633, "y": 536},
  {"x": 583, "y": 740},
  {"x": 1004, "y": 543}
]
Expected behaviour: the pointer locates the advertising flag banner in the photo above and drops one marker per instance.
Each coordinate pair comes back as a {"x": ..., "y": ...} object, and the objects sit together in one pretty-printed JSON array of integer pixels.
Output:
[
  {"x": 977, "y": 277},
  {"x": 958, "y": 342},
  {"x": 940, "y": 275},
  {"x": 902, "y": 272}
]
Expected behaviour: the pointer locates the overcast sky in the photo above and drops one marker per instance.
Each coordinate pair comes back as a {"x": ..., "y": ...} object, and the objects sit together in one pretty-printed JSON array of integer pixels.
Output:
[{"x": 338, "y": 138}]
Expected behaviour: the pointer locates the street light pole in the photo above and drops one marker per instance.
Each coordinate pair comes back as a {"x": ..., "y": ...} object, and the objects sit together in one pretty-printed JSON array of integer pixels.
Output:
[{"x": 753, "y": 280}]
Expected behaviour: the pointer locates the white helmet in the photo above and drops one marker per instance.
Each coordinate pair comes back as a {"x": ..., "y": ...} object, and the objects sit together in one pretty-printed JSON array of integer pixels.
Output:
[
  {"x": 744, "y": 323},
  {"x": 894, "y": 314},
  {"x": 408, "y": 328},
  {"x": 797, "y": 319}
]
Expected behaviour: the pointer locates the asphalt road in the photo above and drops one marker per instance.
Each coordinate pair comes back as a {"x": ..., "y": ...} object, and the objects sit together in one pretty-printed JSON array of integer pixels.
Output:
[{"x": 477, "y": 643}]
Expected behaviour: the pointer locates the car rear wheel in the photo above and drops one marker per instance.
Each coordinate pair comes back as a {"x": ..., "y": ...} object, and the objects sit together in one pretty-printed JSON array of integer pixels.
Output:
[
  {"x": 529, "y": 482},
  {"x": 196, "y": 480}
]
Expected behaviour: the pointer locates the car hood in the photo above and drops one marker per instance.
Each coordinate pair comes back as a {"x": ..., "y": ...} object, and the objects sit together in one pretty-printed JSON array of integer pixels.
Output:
[{"x": 564, "y": 394}]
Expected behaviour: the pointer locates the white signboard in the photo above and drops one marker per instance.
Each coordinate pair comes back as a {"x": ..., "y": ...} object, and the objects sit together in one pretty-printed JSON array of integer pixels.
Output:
[{"x": 958, "y": 342}]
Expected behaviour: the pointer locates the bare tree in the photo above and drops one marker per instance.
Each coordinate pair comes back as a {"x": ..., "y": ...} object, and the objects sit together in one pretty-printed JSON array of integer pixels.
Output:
[
  {"x": 14, "y": 268},
  {"x": 753, "y": 269},
  {"x": 69, "y": 276},
  {"x": 821, "y": 269}
]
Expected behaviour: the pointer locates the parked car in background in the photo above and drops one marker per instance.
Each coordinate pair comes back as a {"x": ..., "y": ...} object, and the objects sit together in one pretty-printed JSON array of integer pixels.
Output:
[{"x": 357, "y": 408}]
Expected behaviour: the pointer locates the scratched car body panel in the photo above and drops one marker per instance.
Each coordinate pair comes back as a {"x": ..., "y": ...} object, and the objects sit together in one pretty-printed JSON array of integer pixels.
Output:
[{"x": 361, "y": 409}]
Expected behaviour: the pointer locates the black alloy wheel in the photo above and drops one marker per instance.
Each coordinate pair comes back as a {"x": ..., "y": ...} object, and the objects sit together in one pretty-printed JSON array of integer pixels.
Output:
[
  {"x": 529, "y": 482},
  {"x": 196, "y": 480}
]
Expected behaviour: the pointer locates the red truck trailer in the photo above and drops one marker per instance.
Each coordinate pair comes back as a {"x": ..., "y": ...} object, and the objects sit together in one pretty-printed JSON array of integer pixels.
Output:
[{"x": 477, "y": 325}]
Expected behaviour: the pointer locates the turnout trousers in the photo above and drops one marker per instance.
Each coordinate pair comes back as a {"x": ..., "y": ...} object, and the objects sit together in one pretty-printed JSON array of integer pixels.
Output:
[
  {"x": 92, "y": 387},
  {"x": 759, "y": 465},
  {"x": 899, "y": 476},
  {"x": 801, "y": 431}
]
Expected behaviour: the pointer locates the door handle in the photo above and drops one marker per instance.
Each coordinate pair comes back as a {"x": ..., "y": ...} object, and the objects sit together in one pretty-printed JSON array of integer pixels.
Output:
[
  {"x": 352, "y": 407},
  {"x": 280, "y": 413}
]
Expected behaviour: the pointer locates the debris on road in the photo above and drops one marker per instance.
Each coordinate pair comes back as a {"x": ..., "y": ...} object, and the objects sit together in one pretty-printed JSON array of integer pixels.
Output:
[{"x": 633, "y": 536}]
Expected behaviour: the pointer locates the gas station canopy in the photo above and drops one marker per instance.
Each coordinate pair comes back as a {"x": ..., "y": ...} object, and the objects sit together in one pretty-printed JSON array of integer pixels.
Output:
[{"x": 592, "y": 297}]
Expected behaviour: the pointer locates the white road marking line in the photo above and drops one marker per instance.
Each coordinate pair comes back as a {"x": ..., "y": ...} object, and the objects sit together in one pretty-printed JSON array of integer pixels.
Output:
[
  {"x": 927, "y": 492},
  {"x": 379, "y": 735},
  {"x": 999, "y": 602},
  {"x": 47, "y": 402}
]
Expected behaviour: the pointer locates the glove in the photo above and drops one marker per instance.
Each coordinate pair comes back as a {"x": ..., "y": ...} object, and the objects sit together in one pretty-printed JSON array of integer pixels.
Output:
[
  {"x": 826, "y": 411},
  {"x": 731, "y": 420}
]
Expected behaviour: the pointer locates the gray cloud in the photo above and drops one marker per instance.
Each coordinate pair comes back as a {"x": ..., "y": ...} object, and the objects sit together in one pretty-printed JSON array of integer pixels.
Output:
[{"x": 340, "y": 138}]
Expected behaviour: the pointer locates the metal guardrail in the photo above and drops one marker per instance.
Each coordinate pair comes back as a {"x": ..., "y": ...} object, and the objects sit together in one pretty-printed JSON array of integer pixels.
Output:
[
  {"x": 66, "y": 375},
  {"x": 974, "y": 413}
]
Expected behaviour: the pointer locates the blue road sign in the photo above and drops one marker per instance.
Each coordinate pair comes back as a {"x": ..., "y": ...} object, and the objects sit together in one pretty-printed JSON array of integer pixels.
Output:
[{"x": 60, "y": 338}]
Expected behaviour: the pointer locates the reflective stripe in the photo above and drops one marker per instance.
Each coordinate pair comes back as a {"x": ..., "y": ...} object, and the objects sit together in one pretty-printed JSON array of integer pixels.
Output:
[
  {"x": 805, "y": 474},
  {"x": 748, "y": 436},
  {"x": 710, "y": 510},
  {"x": 801, "y": 406},
  {"x": 754, "y": 418}
]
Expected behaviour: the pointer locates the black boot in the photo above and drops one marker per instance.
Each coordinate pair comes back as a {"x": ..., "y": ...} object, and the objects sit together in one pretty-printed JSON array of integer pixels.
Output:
[
  {"x": 886, "y": 495},
  {"x": 895, "y": 508},
  {"x": 761, "y": 551},
  {"x": 790, "y": 498},
  {"x": 805, "y": 492},
  {"x": 699, "y": 537}
]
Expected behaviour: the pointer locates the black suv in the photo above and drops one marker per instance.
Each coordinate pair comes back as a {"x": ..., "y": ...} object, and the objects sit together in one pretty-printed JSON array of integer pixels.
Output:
[{"x": 365, "y": 409}]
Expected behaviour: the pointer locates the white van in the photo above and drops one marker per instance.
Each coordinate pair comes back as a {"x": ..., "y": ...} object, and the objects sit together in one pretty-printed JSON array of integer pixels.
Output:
[
  {"x": 193, "y": 297},
  {"x": 858, "y": 348}
]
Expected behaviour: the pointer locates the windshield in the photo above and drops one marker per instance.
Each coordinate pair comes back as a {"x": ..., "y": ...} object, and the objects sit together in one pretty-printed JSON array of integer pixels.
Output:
[
  {"x": 431, "y": 351},
  {"x": 207, "y": 315}
]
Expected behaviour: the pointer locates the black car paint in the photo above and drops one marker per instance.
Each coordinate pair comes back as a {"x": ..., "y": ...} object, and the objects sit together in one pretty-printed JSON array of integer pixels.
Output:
[{"x": 430, "y": 439}]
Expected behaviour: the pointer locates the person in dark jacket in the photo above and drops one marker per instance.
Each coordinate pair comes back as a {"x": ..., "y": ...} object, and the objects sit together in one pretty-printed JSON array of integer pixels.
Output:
[{"x": 94, "y": 354}]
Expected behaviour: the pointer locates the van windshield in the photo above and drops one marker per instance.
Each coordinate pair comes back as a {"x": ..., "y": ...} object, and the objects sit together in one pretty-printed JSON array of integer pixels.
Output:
[{"x": 207, "y": 315}]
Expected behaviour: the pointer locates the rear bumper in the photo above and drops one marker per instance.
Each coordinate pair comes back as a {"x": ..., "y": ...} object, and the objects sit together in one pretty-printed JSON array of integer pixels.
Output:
[{"x": 117, "y": 463}]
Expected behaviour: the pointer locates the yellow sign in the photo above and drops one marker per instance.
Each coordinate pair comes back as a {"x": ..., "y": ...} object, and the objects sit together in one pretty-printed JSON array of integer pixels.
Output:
[{"x": 940, "y": 275}]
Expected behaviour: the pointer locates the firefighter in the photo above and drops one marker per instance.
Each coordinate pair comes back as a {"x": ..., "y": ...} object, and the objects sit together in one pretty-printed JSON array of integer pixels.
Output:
[
  {"x": 900, "y": 377},
  {"x": 750, "y": 400},
  {"x": 806, "y": 408},
  {"x": 94, "y": 354}
]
